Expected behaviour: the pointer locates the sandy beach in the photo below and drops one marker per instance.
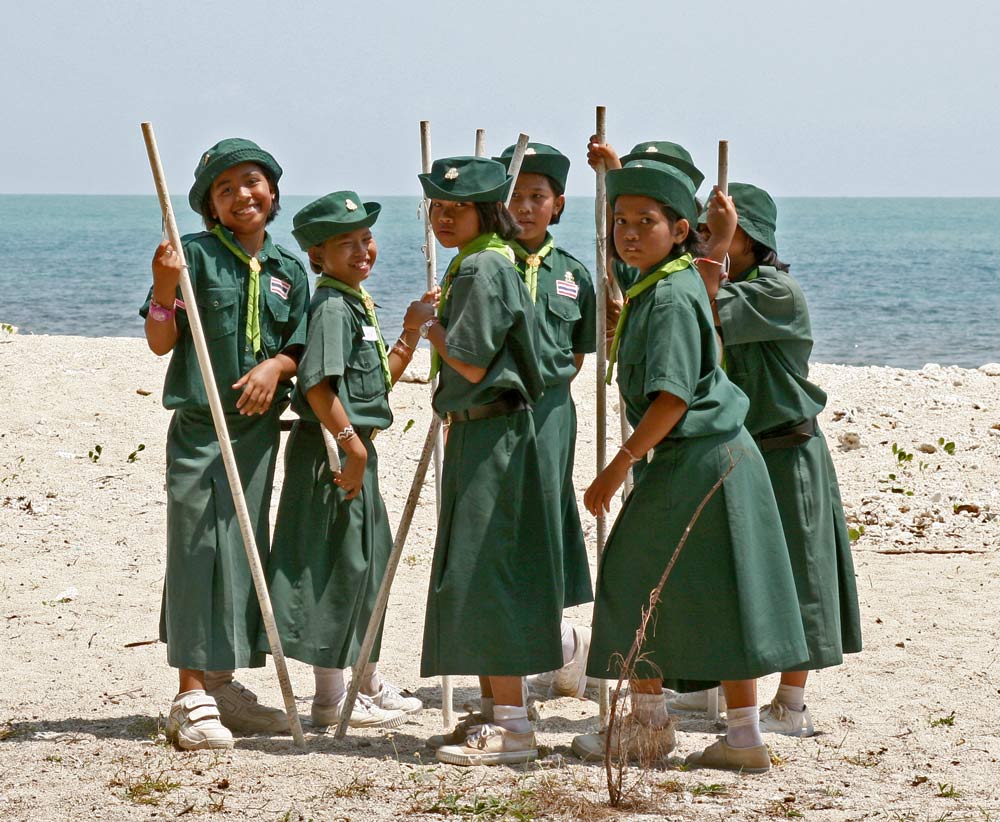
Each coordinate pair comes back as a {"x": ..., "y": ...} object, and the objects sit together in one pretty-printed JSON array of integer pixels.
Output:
[{"x": 907, "y": 730}]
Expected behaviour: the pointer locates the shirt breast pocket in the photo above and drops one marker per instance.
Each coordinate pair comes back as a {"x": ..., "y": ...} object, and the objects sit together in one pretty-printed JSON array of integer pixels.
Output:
[
  {"x": 632, "y": 370},
  {"x": 219, "y": 310},
  {"x": 363, "y": 376},
  {"x": 563, "y": 313},
  {"x": 272, "y": 329}
]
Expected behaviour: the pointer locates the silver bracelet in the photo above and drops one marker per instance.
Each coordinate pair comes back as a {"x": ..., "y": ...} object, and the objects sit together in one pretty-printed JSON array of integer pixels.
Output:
[
  {"x": 346, "y": 434},
  {"x": 632, "y": 458}
]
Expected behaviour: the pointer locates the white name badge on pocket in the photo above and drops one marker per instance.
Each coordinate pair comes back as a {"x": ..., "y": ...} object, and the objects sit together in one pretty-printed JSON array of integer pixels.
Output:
[{"x": 369, "y": 334}]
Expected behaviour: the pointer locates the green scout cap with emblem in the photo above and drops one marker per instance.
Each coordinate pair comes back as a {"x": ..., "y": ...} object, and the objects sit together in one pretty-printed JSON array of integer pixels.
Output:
[
  {"x": 467, "y": 180},
  {"x": 673, "y": 154},
  {"x": 226, "y": 154},
  {"x": 661, "y": 182},
  {"x": 334, "y": 214},
  {"x": 540, "y": 159}
]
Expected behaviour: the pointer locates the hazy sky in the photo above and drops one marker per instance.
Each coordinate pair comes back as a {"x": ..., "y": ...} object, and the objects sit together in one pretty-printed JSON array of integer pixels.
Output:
[{"x": 848, "y": 98}]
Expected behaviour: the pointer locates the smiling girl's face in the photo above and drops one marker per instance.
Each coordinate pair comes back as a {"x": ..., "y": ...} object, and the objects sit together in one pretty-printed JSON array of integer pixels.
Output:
[
  {"x": 241, "y": 198},
  {"x": 644, "y": 235},
  {"x": 347, "y": 257}
]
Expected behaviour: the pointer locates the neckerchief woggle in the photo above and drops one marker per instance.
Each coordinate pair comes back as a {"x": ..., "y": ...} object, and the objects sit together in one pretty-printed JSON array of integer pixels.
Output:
[
  {"x": 532, "y": 262},
  {"x": 484, "y": 242},
  {"x": 369, "y": 306},
  {"x": 749, "y": 278},
  {"x": 645, "y": 283},
  {"x": 253, "y": 288}
]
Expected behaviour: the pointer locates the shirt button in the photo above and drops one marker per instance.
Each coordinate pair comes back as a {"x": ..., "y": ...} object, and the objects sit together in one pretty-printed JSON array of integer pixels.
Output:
[{"x": 247, "y": 349}]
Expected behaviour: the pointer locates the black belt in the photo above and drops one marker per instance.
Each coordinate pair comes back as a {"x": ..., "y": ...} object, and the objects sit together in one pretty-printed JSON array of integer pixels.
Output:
[
  {"x": 790, "y": 437},
  {"x": 509, "y": 403}
]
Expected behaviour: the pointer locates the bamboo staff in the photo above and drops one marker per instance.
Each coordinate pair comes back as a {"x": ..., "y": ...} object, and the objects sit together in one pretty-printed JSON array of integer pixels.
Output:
[
  {"x": 364, "y": 655},
  {"x": 430, "y": 257},
  {"x": 222, "y": 431},
  {"x": 601, "y": 422},
  {"x": 480, "y": 142},
  {"x": 712, "y": 696}
]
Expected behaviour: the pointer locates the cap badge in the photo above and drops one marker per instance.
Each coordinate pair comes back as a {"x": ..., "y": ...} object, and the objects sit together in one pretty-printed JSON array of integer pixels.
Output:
[
  {"x": 530, "y": 151},
  {"x": 350, "y": 205},
  {"x": 205, "y": 158},
  {"x": 451, "y": 174},
  {"x": 651, "y": 150}
]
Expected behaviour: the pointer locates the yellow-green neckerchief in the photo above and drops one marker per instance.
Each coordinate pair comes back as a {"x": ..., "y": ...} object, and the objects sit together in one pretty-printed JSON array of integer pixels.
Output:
[
  {"x": 749, "y": 277},
  {"x": 646, "y": 282},
  {"x": 369, "y": 306},
  {"x": 484, "y": 242},
  {"x": 253, "y": 288},
  {"x": 532, "y": 262}
]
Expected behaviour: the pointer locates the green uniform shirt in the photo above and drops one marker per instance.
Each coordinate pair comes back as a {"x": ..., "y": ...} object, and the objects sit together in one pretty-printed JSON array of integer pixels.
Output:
[
  {"x": 341, "y": 347},
  {"x": 768, "y": 339},
  {"x": 669, "y": 344},
  {"x": 566, "y": 311},
  {"x": 220, "y": 284},
  {"x": 625, "y": 275},
  {"x": 490, "y": 323}
]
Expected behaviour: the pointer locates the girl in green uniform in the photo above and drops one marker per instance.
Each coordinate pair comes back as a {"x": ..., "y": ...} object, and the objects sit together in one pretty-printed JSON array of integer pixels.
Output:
[
  {"x": 252, "y": 297},
  {"x": 728, "y": 611},
  {"x": 332, "y": 539},
  {"x": 762, "y": 317},
  {"x": 495, "y": 597},
  {"x": 563, "y": 293}
]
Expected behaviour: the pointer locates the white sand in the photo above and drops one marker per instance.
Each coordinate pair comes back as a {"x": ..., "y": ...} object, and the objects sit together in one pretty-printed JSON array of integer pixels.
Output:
[{"x": 909, "y": 728}]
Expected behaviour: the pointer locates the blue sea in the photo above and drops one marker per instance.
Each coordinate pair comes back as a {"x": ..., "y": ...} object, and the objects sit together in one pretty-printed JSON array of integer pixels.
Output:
[{"x": 899, "y": 282}]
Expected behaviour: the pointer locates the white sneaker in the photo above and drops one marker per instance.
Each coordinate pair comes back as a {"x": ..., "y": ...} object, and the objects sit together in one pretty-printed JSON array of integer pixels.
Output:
[
  {"x": 776, "y": 718},
  {"x": 391, "y": 698},
  {"x": 694, "y": 702},
  {"x": 366, "y": 714},
  {"x": 491, "y": 745},
  {"x": 571, "y": 678},
  {"x": 638, "y": 742},
  {"x": 239, "y": 710},
  {"x": 193, "y": 724}
]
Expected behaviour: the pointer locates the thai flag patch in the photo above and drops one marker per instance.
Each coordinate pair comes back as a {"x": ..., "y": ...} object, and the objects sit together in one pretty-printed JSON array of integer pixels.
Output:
[
  {"x": 280, "y": 287},
  {"x": 567, "y": 288}
]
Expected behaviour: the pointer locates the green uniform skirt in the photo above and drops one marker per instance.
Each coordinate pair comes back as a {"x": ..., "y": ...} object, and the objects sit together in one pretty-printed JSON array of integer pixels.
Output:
[
  {"x": 555, "y": 432},
  {"x": 729, "y": 609},
  {"x": 494, "y": 603},
  {"x": 210, "y": 617},
  {"x": 328, "y": 557},
  {"x": 812, "y": 515}
]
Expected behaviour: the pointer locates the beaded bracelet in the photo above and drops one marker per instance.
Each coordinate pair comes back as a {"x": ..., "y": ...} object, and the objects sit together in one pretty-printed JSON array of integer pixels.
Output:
[
  {"x": 346, "y": 434},
  {"x": 402, "y": 342},
  {"x": 402, "y": 351}
]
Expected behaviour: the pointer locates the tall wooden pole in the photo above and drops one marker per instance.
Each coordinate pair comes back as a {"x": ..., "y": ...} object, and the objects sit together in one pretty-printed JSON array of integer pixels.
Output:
[
  {"x": 480, "y": 142},
  {"x": 712, "y": 696},
  {"x": 222, "y": 431},
  {"x": 430, "y": 256}
]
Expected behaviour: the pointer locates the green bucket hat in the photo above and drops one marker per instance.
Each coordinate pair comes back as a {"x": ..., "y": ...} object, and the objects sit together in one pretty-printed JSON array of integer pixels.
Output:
[
  {"x": 662, "y": 182},
  {"x": 226, "y": 154},
  {"x": 467, "y": 179},
  {"x": 673, "y": 154},
  {"x": 334, "y": 214},
  {"x": 757, "y": 213},
  {"x": 540, "y": 159}
]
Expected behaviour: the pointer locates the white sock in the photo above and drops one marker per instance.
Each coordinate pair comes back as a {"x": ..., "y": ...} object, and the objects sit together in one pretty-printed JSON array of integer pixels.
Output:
[
  {"x": 512, "y": 717},
  {"x": 651, "y": 709},
  {"x": 486, "y": 707},
  {"x": 568, "y": 636},
  {"x": 330, "y": 687},
  {"x": 371, "y": 682},
  {"x": 791, "y": 697},
  {"x": 744, "y": 727},
  {"x": 216, "y": 679}
]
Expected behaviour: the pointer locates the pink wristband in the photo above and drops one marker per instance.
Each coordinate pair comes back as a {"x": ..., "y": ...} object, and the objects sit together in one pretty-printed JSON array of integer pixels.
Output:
[{"x": 159, "y": 314}]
